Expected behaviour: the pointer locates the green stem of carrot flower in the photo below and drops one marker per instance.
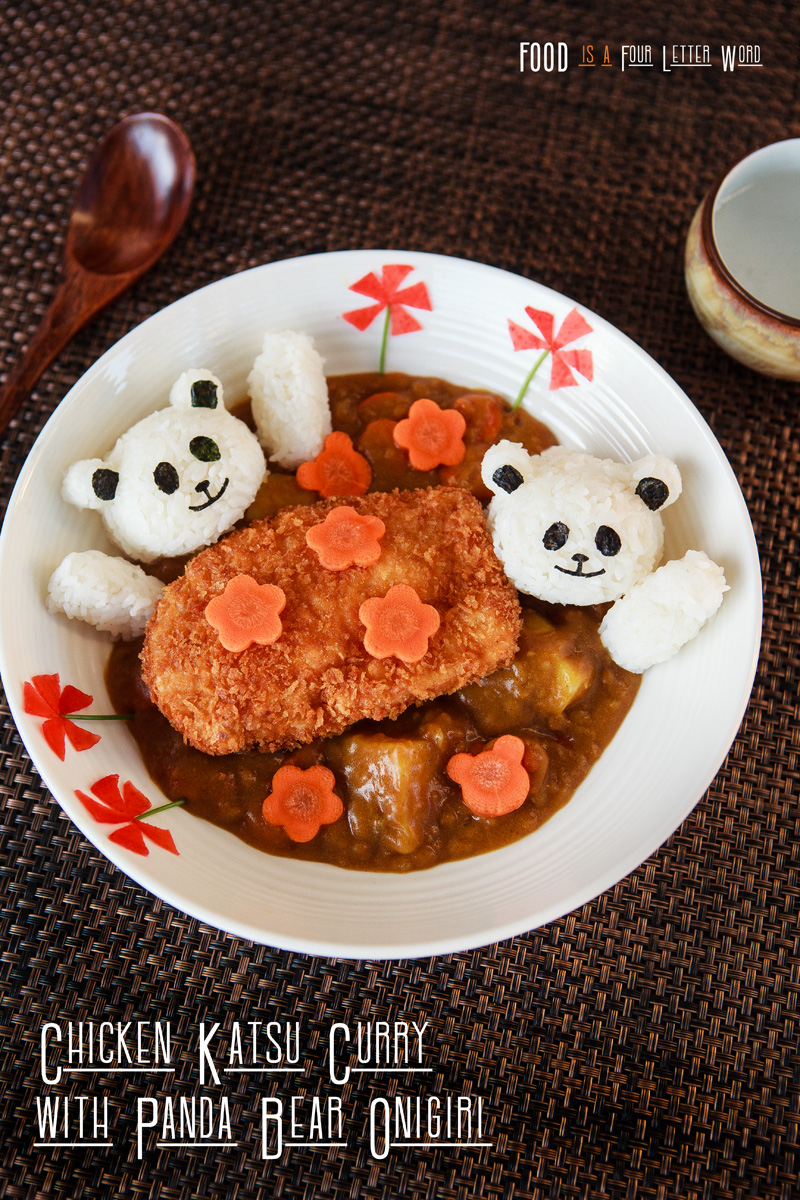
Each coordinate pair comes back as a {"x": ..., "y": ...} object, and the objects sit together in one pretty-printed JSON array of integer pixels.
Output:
[
  {"x": 530, "y": 376},
  {"x": 384, "y": 339},
  {"x": 151, "y": 812},
  {"x": 105, "y": 717}
]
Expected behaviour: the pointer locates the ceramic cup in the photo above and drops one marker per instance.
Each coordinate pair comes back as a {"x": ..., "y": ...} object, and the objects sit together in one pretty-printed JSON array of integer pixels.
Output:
[{"x": 743, "y": 260}]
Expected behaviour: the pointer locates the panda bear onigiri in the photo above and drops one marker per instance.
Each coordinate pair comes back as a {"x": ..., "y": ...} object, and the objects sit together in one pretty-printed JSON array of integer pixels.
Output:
[
  {"x": 179, "y": 479},
  {"x": 174, "y": 482},
  {"x": 573, "y": 529}
]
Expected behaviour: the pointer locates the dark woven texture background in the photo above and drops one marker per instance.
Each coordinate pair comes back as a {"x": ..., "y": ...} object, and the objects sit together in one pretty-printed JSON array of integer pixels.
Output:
[{"x": 646, "y": 1045}]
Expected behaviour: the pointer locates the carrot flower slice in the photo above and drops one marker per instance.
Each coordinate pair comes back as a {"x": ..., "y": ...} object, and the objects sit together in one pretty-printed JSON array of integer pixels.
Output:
[
  {"x": 246, "y": 612},
  {"x": 302, "y": 801},
  {"x": 398, "y": 624},
  {"x": 345, "y": 539},
  {"x": 338, "y": 470},
  {"x": 432, "y": 436},
  {"x": 493, "y": 782}
]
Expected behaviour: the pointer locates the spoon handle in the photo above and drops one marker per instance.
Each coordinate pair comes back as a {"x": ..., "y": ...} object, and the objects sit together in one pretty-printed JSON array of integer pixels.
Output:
[{"x": 79, "y": 298}]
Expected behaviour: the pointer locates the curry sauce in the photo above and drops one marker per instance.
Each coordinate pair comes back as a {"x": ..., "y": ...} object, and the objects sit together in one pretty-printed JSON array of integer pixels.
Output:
[{"x": 562, "y": 696}]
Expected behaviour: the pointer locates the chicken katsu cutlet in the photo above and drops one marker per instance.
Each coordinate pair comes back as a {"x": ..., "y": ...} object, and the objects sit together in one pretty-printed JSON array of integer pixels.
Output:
[{"x": 318, "y": 676}]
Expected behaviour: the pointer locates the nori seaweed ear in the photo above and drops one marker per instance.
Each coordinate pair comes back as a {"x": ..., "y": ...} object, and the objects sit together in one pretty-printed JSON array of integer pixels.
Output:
[
  {"x": 197, "y": 388},
  {"x": 508, "y": 478},
  {"x": 652, "y": 492},
  {"x": 104, "y": 483},
  {"x": 90, "y": 484},
  {"x": 204, "y": 393},
  {"x": 656, "y": 481},
  {"x": 505, "y": 467}
]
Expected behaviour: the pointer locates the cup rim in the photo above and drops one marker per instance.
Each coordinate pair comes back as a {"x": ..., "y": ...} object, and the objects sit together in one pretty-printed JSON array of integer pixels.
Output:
[{"x": 712, "y": 250}]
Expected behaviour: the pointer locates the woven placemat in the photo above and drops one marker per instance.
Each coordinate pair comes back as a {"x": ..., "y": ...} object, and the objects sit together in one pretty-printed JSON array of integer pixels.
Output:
[{"x": 645, "y": 1045}]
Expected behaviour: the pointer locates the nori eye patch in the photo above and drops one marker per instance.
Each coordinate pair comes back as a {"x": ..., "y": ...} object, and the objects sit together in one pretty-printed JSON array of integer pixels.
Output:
[
  {"x": 205, "y": 449},
  {"x": 608, "y": 541},
  {"x": 556, "y": 536},
  {"x": 166, "y": 478}
]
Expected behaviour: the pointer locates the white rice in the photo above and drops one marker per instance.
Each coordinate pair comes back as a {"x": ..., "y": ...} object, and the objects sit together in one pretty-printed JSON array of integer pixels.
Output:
[
  {"x": 109, "y": 593},
  {"x": 290, "y": 398},
  {"x": 663, "y": 612}
]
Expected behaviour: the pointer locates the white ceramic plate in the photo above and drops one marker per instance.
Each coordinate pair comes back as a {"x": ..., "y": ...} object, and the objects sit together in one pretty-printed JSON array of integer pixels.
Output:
[{"x": 656, "y": 769}]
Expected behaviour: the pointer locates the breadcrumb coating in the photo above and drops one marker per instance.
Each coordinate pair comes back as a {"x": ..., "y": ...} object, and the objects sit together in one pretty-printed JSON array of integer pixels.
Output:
[{"x": 318, "y": 678}]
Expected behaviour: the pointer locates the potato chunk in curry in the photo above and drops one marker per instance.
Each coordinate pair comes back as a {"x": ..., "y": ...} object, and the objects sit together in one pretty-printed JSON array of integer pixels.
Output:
[
  {"x": 553, "y": 669},
  {"x": 396, "y": 784}
]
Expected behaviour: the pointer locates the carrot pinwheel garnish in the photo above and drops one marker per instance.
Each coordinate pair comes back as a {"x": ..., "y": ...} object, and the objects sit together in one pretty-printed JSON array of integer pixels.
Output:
[
  {"x": 338, "y": 470},
  {"x": 301, "y": 801},
  {"x": 433, "y": 436},
  {"x": 246, "y": 612},
  {"x": 493, "y": 782},
  {"x": 398, "y": 624},
  {"x": 345, "y": 539}
]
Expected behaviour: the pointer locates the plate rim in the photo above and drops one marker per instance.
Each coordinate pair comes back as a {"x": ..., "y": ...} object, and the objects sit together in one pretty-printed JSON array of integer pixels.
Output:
[{"x": 433, "y": 946}]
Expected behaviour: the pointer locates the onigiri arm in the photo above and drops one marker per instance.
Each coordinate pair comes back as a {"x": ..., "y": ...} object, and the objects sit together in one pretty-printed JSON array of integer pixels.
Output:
[
  {"x": 289, "y": 397},
  {"x": 113, "y": 595},
  {"x": 663, "y": 612}
]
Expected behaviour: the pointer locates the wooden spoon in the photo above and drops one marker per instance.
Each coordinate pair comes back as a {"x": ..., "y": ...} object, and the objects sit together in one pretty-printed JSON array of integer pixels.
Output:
[{"x": 132, "y": 201}]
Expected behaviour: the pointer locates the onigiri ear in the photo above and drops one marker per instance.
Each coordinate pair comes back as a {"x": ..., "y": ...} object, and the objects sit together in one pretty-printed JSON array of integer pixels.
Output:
[
  {"x": 656, "y": 481},
  {"x": 90, "y": 484},
  {"x": 197, "y": 388},
  {"x": 506, "y": 467}
]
